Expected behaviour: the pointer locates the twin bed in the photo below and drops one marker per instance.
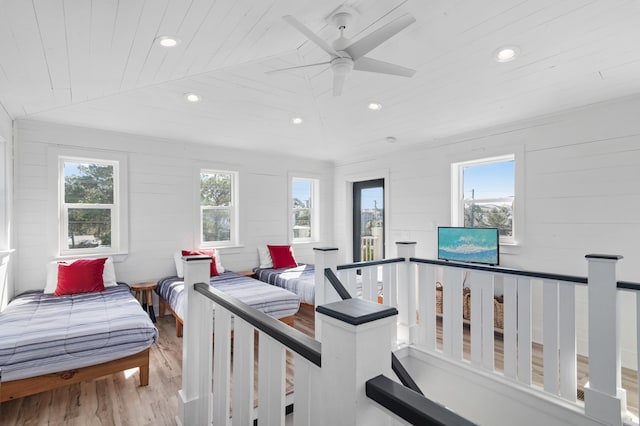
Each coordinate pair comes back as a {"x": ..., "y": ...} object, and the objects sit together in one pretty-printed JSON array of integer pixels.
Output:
[
  {"x": 51, "y": 341},
  {"x": 274, "y": 301}
]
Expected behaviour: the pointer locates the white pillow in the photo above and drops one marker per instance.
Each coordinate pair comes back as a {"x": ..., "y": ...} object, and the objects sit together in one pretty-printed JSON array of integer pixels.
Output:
[
  {"x": 219, "y": 266},
  {"x": 265, "y": 257},
  {"x": 177, "y": 258},
  {"x": 108, "y": 275}
]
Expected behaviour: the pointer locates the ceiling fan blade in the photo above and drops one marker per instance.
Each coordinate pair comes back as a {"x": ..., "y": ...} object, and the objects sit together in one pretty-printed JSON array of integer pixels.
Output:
[
  {"x": 338, "y": 83},
  {"x": 310, "y": 35},
  {"x": 297, "y": 67},
  {"x": 374, "y": 65},
  {"x": 369, "y": 42}
]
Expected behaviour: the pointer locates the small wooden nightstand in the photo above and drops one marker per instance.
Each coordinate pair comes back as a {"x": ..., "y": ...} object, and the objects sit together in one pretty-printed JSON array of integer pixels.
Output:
[
  {"x": 249, "y": 274},
  {"x": 144, "y": 293}
]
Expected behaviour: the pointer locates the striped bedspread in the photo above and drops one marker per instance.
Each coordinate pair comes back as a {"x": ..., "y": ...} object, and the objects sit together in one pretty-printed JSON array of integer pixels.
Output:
[
  {"x": 299, "y": 280},
  {"x": 273, "y": 301},
  {"x": 41, "y": 333}
]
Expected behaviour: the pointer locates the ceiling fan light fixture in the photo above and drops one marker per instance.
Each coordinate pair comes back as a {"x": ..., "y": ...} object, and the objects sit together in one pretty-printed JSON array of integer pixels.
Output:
[
  {"x": 506, "y": 53},
  {"x": 374, "y": 106},
  {"x": 296, "y": 120},
  {"x": 168, "y": 41},
  {"x": 192, "y": 97}
]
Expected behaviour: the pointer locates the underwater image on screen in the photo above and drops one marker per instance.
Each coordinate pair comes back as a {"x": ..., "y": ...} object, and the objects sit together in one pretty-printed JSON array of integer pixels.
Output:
[{"x": 475, "y": 245}]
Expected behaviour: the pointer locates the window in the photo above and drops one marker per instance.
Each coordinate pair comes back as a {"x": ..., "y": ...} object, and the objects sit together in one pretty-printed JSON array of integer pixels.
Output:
[
  {"x": 303, "y": 210},
  {"x": 218, "y": 212},
  {"x": 89, "y": 205},
  {"x": 485, "y": 195}
]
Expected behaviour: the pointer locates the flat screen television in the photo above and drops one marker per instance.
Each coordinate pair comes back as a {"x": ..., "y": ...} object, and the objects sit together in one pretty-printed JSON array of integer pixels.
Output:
[{"x": 473, "y": 245}]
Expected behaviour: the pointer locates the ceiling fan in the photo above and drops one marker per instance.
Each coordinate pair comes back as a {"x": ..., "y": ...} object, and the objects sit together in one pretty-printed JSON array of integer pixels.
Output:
[{"x": 346, "y": 55}]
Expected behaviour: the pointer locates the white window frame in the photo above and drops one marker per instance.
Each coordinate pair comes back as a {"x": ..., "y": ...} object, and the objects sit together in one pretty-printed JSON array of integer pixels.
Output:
[
  {"x": 457, "y": 195},
  {"x": 313, "y": 209},
  {"x": 119, "y": 209},
  {"x": 233, "y": 210}
]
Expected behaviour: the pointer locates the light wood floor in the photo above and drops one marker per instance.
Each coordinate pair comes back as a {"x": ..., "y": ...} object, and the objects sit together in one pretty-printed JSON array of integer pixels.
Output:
[{"x": 118, "y": 400}]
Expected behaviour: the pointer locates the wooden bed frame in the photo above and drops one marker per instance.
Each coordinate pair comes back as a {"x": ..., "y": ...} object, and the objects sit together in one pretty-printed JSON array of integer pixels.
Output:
[
  {"x": 164, "y": 306},
  {"x": 33, "y": 385}
]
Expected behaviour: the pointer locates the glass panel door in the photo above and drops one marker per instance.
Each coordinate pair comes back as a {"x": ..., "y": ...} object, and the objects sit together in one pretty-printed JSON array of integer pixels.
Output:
[{"x": 368, "y": 220}]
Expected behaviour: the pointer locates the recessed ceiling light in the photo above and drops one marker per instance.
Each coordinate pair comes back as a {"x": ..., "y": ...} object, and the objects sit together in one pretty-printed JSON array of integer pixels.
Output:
[
  {"x": 168, "y": 41},
  {"x": 374, "y": 106},
  {"x": 506, "y": 53},
  {"x": 296, "y": 120},
  {"x": 192, "y": 97},
  {"x": 391, "y": 139}
]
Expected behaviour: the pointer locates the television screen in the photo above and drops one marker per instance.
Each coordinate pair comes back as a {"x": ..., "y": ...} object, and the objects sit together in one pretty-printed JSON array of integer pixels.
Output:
[{"x": 475, "y": 245}]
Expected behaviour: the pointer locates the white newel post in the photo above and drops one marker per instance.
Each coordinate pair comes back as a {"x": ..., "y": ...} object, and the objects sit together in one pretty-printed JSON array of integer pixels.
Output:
[
  {"x": 604, "y": 398},
  {"x": 324, "y": 257},
  {"x": 195, "y": 397},
  {"x": 354, "y": 350},
  {"x": 407, "y": 301}
]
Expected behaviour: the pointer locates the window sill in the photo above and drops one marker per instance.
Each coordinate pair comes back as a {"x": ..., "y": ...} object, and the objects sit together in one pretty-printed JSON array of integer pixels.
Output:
[{"x": 117, "y": 257}]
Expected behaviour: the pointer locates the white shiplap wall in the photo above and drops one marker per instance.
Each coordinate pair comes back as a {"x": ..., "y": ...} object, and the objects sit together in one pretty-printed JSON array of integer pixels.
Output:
[
  {"x": 581, "y": 189},
  {"x": 162, "y": 199}
]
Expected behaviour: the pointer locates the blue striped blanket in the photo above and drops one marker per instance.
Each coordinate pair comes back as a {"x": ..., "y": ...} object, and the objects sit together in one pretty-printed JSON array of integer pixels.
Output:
[
  {"x": 41, "y": 333},
  {"x": 268, "y": 299},
  {"x": 299, "y": 280}
]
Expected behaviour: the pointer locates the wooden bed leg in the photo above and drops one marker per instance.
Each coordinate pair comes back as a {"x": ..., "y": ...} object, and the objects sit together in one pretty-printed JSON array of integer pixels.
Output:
[
  {"x": 162, "y": 307},
  {"x": 144, "y": 375},
  {"x": 178, "y": 328}
]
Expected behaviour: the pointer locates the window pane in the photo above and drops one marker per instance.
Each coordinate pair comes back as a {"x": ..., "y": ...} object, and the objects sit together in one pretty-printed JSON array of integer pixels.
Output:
[
  {"x": 88, "y": 183},
  {"x": 490, "y": 180},
  {"x": 301, "y": 194},
  {"x": 89, "y": 228},
  {"x": 216, "y": 225},
  {"x": 490, "y": 215},
  {"x": 302, "y": 223},
  {"x": 215, "y": 189}
]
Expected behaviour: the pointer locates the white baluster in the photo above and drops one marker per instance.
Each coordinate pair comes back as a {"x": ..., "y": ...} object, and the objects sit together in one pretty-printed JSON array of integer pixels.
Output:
[
  {"x": 221, "y": 366},
  {"x": 550, "y": 335},
  {"x": 369, "y": 283},
  {"x": 271, "y": 381},
  {"x": 452, "y": 312},
  {"x": 243, "y": 375},
  {"x": 568, "y": 373},
  {"x": 308, "y": 396},
  {"x": 475, "y": 286},
  {"x": 427, "y": 306},
  {"x": 524, "y": 330},
  {"x": 488, "y": 334},
  {"x": 510, "y": 330}
]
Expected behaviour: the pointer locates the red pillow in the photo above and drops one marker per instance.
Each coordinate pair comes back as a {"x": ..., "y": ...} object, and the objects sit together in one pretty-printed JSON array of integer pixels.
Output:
[
  {"x": 211, "y": 253},
  {"x": 282, "y": 257},
  {"x": 81, "y": 276}
]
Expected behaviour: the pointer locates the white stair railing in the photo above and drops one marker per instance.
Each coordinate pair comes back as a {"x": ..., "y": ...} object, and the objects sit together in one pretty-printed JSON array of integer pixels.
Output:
[{"x": 330, "y": 378}]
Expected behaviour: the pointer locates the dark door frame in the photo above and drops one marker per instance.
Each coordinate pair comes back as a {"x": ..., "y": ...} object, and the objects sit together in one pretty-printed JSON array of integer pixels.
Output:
[{"x": 357, "y": 217}]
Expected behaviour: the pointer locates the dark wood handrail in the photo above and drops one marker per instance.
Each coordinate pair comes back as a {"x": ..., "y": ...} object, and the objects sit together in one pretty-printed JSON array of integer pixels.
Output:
[
  {"x": 622, "y": 285},
  {"x": 411, "y": 406},
  {"x": 502, "y": 270},
  {"x": 293, "y": 339},
  {"x": 359, "y": 265}
]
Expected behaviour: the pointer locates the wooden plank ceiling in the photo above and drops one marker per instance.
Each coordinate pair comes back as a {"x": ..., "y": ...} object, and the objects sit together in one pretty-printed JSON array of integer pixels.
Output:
[{"x": 95, "y": 63}]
